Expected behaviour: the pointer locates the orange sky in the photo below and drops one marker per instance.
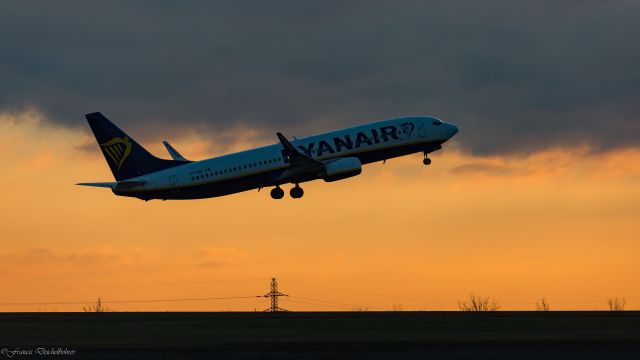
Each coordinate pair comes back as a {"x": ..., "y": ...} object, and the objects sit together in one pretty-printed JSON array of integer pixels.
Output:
[{"x": 561, "y": 224}]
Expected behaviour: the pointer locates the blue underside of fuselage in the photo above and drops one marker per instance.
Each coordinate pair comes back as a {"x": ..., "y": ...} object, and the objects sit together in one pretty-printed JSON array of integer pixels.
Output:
[{"x": 221, "y": 188}]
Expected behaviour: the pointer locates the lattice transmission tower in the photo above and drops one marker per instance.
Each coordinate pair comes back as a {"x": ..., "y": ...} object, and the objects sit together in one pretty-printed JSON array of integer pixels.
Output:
[{"x": 274, "y": 294}]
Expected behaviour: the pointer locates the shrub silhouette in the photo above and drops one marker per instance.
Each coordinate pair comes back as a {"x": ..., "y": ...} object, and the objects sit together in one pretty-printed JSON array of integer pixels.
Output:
[
  {"x": 542, "y": 305},
  {"x": 617, "y": 304},
  {"x": 478, "y": 303},
  {"x": 97, "y": 307}
]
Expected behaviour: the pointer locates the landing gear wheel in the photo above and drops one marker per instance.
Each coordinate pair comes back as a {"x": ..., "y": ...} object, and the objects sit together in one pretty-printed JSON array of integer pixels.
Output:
[
  {"x": 296, "y": 192},
  {"x": 426, "y": 161},
  {"x": 277, "y": 193}
]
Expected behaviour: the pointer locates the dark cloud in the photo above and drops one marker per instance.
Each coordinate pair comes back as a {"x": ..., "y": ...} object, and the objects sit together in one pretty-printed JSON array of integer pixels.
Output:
[{"x": 517, "y": 76}]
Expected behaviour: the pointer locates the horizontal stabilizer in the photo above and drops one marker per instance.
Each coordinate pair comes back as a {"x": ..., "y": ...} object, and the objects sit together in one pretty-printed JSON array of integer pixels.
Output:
[
  {"x": 173, "y": 152},
  {"x": 110, "y": 185},
  {"x": 115, "y": 185}
]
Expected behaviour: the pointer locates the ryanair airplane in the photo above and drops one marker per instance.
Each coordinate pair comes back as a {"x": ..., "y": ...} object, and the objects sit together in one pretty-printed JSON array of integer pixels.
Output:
[{"x": 329, "y": 156}]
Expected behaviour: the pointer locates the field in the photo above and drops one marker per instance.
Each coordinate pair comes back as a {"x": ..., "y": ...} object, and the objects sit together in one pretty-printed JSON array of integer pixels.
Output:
[{"x": 335, "y": 335}]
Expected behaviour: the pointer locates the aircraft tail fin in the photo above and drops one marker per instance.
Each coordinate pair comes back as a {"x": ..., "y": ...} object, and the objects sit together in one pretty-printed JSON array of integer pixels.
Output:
[{"x": 126, "y": 158}]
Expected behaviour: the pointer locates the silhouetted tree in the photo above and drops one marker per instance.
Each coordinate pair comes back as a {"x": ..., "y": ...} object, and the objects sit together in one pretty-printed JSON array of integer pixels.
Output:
[
  {"x": 617, "y": 304},
  {"x": 542, "y": 305},
  {"x": 397, "y": 307},
  {"x": 97, "y": 307},
  {"x": 478, "y": 303}
]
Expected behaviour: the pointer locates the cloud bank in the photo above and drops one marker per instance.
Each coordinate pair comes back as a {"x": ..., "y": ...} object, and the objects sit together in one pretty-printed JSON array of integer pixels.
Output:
[{"x": 518, "y": 77}]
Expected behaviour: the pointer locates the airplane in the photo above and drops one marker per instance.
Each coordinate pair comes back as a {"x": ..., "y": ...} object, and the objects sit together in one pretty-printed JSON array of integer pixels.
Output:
[{"x": 329, "y": 156}]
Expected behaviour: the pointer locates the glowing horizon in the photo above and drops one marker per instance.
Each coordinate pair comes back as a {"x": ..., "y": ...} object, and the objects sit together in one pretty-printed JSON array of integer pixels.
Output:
[{"x": 559, "y": 223}]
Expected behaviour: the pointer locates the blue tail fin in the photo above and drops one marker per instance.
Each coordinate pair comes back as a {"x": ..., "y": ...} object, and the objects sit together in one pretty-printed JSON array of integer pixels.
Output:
[{"x": 126, "y": 158}]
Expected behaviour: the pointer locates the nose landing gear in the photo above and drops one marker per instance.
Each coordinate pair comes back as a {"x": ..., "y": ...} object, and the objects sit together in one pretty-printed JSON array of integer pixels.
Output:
[
  {"x": 296, "y": 192},
  {"x": 277, "y": 193},
  {"x": 426, "y": 160}
]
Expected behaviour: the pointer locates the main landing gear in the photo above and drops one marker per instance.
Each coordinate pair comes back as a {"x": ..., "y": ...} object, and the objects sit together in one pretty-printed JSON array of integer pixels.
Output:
[
  {"x": 296, "y": 192},
  {"x": 277, "y": 193}
]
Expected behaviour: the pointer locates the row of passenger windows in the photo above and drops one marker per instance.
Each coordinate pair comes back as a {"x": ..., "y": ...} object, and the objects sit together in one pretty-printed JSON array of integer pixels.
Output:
[{"x": 208, "y": 173}]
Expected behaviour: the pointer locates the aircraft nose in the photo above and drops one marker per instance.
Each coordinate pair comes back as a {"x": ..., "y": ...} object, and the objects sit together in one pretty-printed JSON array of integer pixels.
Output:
[{"x": 452, "y": 130}]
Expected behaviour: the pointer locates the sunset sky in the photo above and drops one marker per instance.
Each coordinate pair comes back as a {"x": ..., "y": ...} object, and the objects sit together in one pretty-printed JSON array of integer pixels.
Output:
[{"x": 537, "y": 196}]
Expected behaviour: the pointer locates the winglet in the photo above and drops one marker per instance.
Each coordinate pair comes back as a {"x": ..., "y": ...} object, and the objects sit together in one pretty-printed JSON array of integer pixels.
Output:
[
  {"x": 289, "y": 149},
  {"x": 173, "y": 152},
  {"x": 294, "y": 156}
]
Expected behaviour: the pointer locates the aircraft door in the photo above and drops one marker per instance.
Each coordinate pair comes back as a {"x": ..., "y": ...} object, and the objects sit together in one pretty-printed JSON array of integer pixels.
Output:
[
  {"x": 421, "y": 130},
  {"x": 173, "y": 180}
]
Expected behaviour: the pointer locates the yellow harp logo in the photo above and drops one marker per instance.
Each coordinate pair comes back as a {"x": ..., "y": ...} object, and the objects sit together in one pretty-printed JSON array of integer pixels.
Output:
[{"x": 118, "y": 149}]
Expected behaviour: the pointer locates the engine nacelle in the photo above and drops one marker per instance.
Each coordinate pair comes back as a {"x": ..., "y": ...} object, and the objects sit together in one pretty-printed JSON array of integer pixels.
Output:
[{"x": 342, "y": 169}]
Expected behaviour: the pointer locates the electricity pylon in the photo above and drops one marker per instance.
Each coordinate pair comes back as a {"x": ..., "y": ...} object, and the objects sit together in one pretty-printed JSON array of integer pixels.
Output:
[{"x": 274, "y": 294}]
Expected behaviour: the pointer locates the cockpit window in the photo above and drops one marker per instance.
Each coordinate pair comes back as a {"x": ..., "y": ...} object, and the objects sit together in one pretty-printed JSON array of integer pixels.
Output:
[{"x": 437, "y": 122}]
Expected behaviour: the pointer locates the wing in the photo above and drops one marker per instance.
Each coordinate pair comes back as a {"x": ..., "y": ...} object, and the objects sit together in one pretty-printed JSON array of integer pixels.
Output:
[
  {"x": 301, "y": 166},
  {"x": 294, "y": 156}
]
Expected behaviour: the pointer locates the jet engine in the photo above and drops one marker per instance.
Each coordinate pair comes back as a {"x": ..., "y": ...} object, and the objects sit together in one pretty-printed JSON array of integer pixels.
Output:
[{"x": 342, "y": 168}]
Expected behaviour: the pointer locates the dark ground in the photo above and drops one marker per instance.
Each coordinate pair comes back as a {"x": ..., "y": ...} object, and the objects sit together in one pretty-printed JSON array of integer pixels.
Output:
[{"x": 326, "y": 335}]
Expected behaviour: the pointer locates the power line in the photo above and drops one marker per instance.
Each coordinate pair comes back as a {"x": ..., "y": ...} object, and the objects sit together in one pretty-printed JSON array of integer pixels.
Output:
[
  {"x": 435, "y": 300},
  {"x": 369, "y": 293},
  {"x": 352, "y": 306},
  {"x": 130, "y": 301},
  {"x": 133, "y": 284},
  {"x": 274, "y": 294},
  {"x": 318, "y": 304}
]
